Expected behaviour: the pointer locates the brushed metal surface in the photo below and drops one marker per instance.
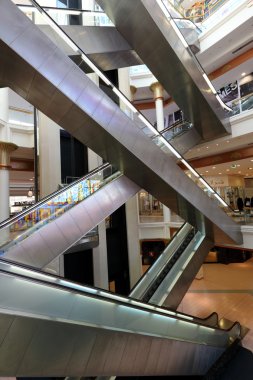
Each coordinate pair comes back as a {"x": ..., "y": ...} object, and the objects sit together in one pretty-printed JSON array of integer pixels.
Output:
[
  {"x": 115, "y": 137},
  {"x": 53, "y": 239},
  {"x": 151, "y": 275},
  {"x": 104, "y": 45},
  {"x": 177, "y": 293},
  {"x": 57, "y": 332},
  {"x": 169, "y": 61}
]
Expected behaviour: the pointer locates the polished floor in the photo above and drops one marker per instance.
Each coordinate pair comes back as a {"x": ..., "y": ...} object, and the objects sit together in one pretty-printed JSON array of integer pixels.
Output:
[{"x": 226, "y": 289}]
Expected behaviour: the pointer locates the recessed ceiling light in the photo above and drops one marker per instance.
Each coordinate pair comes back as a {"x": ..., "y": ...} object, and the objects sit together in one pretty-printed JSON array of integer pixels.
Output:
[
  {"x": 233, "y": 166},
  {"x": 239, "y": 172},
  {"x": 227, "y": 141},
  {"x": 251, "y": 160},
  {"x": 214, "y": 167},
  {"x": 206, "y": 171},
  {"x": 217, "y": 144},
  {"x": 250, "y": 168},
  {"x": 247, "y": 174},
  {"x": 238, "y": 165},
  {"x": 220, "y": 173},
  {"x": 243, "y": 74},
  {"x": 227, "y": 170}
]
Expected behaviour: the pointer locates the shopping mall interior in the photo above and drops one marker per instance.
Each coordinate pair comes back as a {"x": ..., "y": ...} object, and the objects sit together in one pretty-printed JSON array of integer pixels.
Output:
[{"x": 126, "y": 183}]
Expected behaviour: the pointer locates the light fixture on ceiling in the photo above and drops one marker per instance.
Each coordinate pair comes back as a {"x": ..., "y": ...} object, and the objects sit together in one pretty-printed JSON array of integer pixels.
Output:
[{"x": 243, "y": 74}]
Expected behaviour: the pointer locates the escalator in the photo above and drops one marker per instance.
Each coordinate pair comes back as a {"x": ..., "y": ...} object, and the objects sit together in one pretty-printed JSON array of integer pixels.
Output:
[
  {"x": 181, "y": 135},
  {"x": 56, "y": 223},
  {"x": 37, "y": 70},
  {"x": 52, "y": 327},
  {"x": 169, "y": 57},
  {"x": 167, "y": 280}
]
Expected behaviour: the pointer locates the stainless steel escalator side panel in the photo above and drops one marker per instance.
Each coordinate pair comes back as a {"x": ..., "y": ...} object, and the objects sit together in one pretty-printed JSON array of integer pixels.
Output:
[
  {"x": 186, "y": 141},
  {"x": 57, "y": 332},
  {"x": 141, "y": 287},
  {"x": 180, "y": 288},
  {"x": 37, "y": 70},
  {"x": 53, "y": 239},
  {"x": 35, "y": 347},
  {"x": 169, "y": 61},
  {"x": 104, "y": 45}
]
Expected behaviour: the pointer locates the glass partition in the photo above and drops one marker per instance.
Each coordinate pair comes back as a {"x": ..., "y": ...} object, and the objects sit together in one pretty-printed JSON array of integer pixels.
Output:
[
  {"x": 90, "y": 16},
  {"x": 177, "y": 129},
  {"x": 242, "y": 104},
  {"x": 48, "y": 209}
]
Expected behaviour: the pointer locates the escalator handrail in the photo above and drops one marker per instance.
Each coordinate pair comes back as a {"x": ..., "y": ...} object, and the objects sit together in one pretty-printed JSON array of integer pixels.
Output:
[
  {"x": 174, "y": 125},
  {"x": 106, "y": 293},
  {"x": 109, "y": 297},
  {"x": 9, "y": 221},
  {"x": 188, "y": 20},
  {"x": 161, "y": 271},
  {"x": 150, "y": 268}
]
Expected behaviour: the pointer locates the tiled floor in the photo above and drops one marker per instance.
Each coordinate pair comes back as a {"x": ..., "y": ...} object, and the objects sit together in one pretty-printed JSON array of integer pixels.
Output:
[{"x": 226, "y": 289}]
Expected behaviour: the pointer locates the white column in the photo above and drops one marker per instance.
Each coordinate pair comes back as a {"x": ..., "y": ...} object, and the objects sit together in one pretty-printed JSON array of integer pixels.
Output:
[
  {"x": 49, "y": 170},
  {"x": 4, "y": 101},
  {"x": 4, "y": 195},
  {"x": 134, "y": 258},
  {"x": 49, "y": 155},
  {"x": 100, "y": 264},
  {"x": 5, "y": 149},
  {"x": 157, "y": 90}
]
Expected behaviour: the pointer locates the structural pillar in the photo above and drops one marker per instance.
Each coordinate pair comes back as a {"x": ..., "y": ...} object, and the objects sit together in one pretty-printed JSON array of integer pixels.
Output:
[
  {"x": 134, "y": 257},
  {"x": 100, "y": 263},
  {"x": 49, "y": 155},
  {"x": 158, "y": 91},
  {"x": 5, "y": 149},
  {"x": 133, "y": 90},
  {"x": 49, "y": 170}
]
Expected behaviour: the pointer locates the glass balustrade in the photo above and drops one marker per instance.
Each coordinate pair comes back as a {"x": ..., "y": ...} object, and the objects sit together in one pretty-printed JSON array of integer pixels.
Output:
[
  {"x": 63, "y": 16},
  {"x": 177, "y": 129},
  {"x": 48, "y": 209},
  {"x": 242, "y": 104},
  {"x": 199, "y": 11}
]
